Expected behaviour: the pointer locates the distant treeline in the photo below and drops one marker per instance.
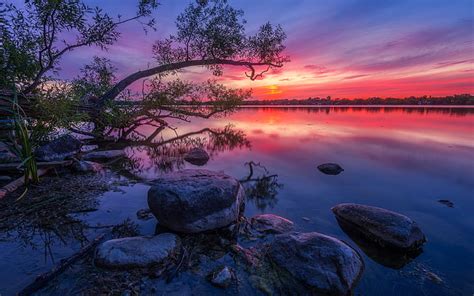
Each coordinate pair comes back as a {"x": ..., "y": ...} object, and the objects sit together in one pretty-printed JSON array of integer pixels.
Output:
[{"x": 464, "y": 99}]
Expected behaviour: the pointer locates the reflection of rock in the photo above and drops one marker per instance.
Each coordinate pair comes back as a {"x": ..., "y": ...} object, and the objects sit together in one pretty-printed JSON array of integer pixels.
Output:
[
  {"x": 197, "y": 156},
  {"x": 384, "y": 227},
  {"x": 330, "y": 168},
  {"x": 84, "y": 166},
  {"x": 196, "y": 200},
  {"x": 222, "y": 278},
  {"x": 389, "y": 257},
  {"x": 271, "y": 224},
  {"x": 447, "y": 203},
  {"x": 323, "y": 263},
  {"x": 104, "y": 155},
  {"x": 137, "y": 251},
  {"x": 58, "y": 149}
]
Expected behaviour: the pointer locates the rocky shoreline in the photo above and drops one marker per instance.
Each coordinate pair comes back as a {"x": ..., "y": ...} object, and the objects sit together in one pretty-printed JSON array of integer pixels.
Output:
[
  {"x": 266, "y": 252},
  {"x": 203, "y": 237}
]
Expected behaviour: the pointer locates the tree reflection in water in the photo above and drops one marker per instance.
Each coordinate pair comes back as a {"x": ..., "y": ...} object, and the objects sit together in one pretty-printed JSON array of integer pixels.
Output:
[
  {"x": 53, "y": 214},
  {"x": 261, "y": 190},
  {"x": 157, "y": 157}
]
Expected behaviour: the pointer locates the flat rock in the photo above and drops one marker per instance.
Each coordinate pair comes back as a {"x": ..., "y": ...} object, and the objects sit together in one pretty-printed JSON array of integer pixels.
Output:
[
  {"x": 6, "y": 155},
  {"x": 84, "y": 166},
  {"x": 197, "y": 156},
  {"x": 58, "y": 149},
  {"x": 330, "y": 168},
  {"x": 103, "y": 155},
  {"x": 222, "y": 278},
  {"x": 384, "y": 227},
  {"x": 326, "y": 265},
  {"x": 270, "y": 223},
  {"x": 140, "y": 251},
  {"x": 196, "y": 200}
]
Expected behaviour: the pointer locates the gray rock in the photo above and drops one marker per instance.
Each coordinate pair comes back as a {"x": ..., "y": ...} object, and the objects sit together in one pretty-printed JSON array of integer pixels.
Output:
[
  {"x": 103, "y": 155},
  {"x": 84, "y": 166},
  {"x": 6, "y": 155},
  {"x": 330, "y": 168},
  {"x": 384, "y": 227},
  {"x": 58, "y": 149},
  {"x": 196, "y": 200},
  {"x": 386, "y": 256},
  {"x": 271, "y": 224},
  {"x": 324, "y": 264},
  {"x": 137, "y": 251},
  {"x": 197, "y": 156},
  {"x": 222, "y": 278}
]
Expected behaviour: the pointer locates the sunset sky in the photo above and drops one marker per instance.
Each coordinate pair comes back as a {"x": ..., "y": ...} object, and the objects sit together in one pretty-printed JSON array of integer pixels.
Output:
[{"x": 339, "y": 48}]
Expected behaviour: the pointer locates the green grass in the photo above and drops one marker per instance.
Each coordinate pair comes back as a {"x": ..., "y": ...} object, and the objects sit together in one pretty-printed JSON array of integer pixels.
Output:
[{"x": 21, "y": 140}]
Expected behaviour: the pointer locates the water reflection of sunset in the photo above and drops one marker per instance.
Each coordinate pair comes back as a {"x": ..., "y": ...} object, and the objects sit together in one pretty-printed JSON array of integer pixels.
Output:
[
  {"x": 407, "y": 125},
  {"x": 404, "y": 159}
]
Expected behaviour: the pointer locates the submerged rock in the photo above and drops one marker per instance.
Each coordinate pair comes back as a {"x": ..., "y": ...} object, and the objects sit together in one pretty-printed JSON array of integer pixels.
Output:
[
  {"x": 144, "y": 214},
  {"x": 137, "y": 251},
  {"x": 271, "y": 224},
  {"x": 447, "y": 203},
  {"x": 196, "y": 200},
  {"x": 197, "y": 156},
  {"x": 384, "y": 227},
  {"x": 104, "y": 155},
  {"x": 324, "y": 264},
  {"x": 84, "y": 166},
  {"x": 58, "y": 149},
  {"x": 330, "y": 168},
  {"x": 222, "y": 278}
]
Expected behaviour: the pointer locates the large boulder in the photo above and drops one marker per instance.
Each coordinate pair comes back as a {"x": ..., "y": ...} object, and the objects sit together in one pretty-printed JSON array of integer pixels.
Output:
[
  {"x": 197, "y": 156},
  {"x": 103, "y": 155},
  {"x": 386, "y": 256},
  {"x": 330, "y": 168},
  {"x": 140, "y": 251},
  {"x": 196, "y": 200},
  {"x": 384, "y": 227},
  {"x": 269, "y": 223},
  {"x": 325, "y": 265},
  {"x": 58, "y": 149}
]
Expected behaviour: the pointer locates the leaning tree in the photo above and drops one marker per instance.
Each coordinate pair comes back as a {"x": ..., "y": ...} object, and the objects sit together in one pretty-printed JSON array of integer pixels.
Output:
[{"x": 209, "y": 34}]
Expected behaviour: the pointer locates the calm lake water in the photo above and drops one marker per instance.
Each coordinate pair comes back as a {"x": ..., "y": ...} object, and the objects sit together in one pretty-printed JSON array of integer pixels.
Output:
[{"x": 402, "y": 159}]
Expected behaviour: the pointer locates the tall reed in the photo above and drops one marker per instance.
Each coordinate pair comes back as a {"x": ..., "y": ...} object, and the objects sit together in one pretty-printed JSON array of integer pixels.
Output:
[{"x": 21, "y": 141}]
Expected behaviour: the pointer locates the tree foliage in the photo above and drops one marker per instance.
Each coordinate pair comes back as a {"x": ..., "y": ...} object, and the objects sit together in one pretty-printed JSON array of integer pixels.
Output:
[
  {"x": 34, "y": 38},
  {"x": 209, "y": 33}
]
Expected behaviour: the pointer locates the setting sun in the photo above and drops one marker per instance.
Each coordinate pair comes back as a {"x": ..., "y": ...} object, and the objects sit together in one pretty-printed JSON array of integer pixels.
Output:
[{"x": 273, "y": 90}]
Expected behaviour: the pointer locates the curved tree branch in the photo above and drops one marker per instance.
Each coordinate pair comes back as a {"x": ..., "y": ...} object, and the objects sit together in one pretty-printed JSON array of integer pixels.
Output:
[{"x": 124, "y": 83}]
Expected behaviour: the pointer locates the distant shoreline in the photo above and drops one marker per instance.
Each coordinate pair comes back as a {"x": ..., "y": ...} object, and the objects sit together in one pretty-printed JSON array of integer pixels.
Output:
[
  {"x": 355, "y": 106},
  {"x": 423, "y": 101}
]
